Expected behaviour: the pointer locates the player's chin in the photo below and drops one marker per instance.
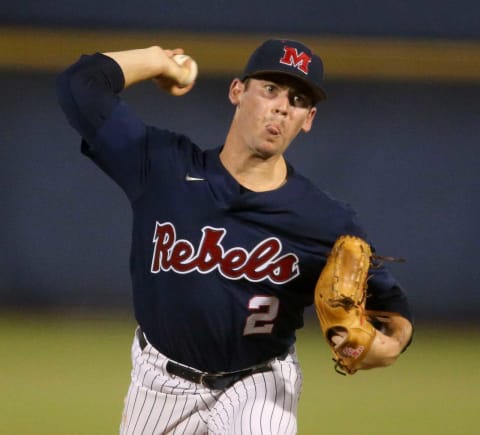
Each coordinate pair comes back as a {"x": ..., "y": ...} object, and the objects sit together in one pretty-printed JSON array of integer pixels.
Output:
[{"x": 270, "y": 148}]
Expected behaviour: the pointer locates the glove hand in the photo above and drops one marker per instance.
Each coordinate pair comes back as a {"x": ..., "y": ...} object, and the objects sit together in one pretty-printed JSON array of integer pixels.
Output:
[
  {"x": 340, "y": 303},
  {"x": 392, "y": 338}
]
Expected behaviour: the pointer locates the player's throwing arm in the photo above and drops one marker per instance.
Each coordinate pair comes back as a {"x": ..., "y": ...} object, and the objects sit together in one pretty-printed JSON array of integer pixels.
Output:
[{"x": 174, "y": 71}]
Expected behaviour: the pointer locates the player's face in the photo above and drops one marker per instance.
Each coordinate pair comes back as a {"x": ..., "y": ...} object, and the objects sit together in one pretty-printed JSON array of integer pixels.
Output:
[{"x": 270, "y": 113}]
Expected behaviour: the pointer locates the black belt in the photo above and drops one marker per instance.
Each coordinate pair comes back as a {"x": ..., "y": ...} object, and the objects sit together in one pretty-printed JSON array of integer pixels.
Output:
[{"x": 214, "y": 381}]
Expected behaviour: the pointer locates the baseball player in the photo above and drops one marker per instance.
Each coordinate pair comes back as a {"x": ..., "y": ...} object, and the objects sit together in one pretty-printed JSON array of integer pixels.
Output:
[{"x": 227, "y": 243}]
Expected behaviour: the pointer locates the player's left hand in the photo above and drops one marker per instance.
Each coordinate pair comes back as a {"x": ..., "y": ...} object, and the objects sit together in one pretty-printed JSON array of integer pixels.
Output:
[
  {"x": 340, "y": 295},
  {"x": 358, "y": 339},
  {"x": 393, "y": 334}
]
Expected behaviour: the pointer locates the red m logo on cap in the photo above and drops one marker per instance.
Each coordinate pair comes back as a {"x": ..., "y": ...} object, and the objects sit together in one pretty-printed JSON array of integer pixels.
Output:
[{"x": 292, "y": 58}]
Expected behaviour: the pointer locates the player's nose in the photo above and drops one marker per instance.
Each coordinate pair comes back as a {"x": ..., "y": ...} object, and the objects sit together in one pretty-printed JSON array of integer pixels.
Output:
[{"x": 282, "y": 103}]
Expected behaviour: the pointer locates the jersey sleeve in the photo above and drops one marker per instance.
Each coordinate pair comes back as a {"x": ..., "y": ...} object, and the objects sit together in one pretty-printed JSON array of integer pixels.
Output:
[
  {"x": 87, "y": 92},
  {"x": 113, "y": 136},
  {"x": 384, "y": 292}
]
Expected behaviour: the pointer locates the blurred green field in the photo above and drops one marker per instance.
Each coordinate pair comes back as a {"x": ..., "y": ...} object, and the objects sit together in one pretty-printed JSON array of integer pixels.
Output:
[{"x": 67, "y": 374}]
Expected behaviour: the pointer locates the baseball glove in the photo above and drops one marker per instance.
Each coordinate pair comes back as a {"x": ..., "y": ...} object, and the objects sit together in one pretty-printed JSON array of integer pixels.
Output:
[{"x": 340, "y": 295}]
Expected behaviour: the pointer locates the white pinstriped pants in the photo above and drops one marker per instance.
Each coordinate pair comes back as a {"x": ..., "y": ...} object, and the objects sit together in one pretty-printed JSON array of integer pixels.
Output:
[{"x": 159, "y": 403}]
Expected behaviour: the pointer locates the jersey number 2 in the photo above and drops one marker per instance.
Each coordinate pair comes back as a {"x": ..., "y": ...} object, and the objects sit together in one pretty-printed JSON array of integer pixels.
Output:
[{"x": 265, "y": 311}]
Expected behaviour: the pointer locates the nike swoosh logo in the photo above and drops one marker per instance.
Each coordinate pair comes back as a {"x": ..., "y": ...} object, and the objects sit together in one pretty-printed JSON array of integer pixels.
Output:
[{"x": 189, "y": 178}]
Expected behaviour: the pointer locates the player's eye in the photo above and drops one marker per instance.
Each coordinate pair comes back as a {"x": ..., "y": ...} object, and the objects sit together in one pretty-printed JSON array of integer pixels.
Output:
[
  {"x": 269, "y": 88},
  {"x": 299, "y": 100}
]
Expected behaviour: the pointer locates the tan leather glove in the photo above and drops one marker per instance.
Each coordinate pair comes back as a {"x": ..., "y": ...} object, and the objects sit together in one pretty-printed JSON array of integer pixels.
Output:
[{"x": 340, "y": 295}]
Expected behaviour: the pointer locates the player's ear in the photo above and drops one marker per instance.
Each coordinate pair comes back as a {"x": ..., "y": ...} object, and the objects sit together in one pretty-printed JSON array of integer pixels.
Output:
[
  {"x": 307, "y": 124},
  {"x": 236, "y": 89}
]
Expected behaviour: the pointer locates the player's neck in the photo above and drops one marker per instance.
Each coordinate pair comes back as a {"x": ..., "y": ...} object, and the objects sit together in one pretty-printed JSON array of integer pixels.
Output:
[{"x": 253, "y": 172}]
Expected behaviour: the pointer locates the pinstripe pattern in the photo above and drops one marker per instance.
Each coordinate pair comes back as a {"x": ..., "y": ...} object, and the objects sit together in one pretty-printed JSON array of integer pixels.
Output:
[{"x": 159, "y": 403}]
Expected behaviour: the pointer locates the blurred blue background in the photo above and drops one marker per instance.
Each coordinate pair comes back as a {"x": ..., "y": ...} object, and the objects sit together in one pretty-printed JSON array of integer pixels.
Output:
[{"x": 402, "y": 149}]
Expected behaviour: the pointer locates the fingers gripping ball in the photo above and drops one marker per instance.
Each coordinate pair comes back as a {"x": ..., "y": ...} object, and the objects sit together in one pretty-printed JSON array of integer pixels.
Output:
[
  {"x": 340, "y": 302},
  {"x": 179, "y": 75},
  {"x": 189, "y": 67}
]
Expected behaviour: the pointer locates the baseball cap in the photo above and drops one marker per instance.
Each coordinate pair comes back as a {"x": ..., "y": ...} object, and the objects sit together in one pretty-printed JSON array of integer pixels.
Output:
[{"x": 288, "y": 57}]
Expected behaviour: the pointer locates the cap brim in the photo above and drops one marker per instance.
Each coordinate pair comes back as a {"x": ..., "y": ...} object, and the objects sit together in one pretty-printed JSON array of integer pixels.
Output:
[{"x": 317, "y": 92}]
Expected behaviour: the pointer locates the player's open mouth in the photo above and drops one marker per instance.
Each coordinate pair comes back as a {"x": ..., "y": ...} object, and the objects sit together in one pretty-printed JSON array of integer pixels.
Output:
[{"x": 273, "y": 129}]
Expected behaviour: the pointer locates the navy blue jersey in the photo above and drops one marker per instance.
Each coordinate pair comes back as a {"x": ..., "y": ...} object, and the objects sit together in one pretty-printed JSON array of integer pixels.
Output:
[{"x": 221, "y": 275}]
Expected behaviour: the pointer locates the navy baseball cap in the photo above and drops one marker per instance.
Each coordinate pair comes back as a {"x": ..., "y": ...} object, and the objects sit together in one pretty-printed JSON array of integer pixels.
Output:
[{"x": 282, "y": 56}]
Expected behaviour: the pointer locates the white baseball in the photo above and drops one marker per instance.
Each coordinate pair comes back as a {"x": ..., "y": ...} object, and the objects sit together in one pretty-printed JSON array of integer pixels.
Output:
[{"x": 180, "y": 59}]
